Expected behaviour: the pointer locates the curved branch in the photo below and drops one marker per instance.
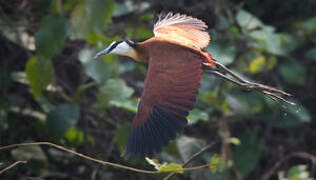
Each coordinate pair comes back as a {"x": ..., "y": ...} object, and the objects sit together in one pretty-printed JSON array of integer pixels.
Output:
[
  {"x": 205, "y": 148},
  {"x": 11, "y": 166},
  {"x": 303, "y": 155},
  {"x": 96, "y": 160}
]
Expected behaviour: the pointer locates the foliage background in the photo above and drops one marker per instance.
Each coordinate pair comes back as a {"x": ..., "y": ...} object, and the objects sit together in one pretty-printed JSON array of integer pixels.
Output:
[{"x": 52, "y": 90}]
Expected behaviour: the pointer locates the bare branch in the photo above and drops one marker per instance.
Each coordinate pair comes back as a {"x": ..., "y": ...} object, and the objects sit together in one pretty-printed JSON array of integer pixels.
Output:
[
  {"x": 12, "y": 165},
  {"x": 303, "y": 155},
  {"x": 186, "y": 163},
  {"x": 93, "y": 159}
]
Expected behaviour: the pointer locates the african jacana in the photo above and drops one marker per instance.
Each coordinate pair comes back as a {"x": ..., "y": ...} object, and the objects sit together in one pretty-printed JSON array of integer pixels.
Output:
[{"x": 175, "y": 57}]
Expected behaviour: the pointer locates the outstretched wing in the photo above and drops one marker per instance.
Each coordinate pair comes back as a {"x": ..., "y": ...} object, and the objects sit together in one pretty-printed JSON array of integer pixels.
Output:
[
  {"x": 169, "y": 93},
  {"x": 182, "y": 29}
]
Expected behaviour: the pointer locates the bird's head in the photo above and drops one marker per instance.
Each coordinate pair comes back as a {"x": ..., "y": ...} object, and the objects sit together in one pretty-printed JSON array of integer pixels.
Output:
[{"x": 122, "y": 47}]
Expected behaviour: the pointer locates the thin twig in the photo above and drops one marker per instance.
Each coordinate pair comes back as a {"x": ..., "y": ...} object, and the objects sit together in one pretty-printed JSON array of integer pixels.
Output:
[
  {"x": 273, "y": 93},
  {"x": 186, "y": 163},
  {"x": 303, "y": 155},
  {"x": 12, "y": 165},
  {"x": 97, "y": 160}
]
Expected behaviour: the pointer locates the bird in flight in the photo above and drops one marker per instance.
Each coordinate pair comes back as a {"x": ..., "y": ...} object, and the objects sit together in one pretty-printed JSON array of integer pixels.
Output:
[{"x": 175, "y": 56}]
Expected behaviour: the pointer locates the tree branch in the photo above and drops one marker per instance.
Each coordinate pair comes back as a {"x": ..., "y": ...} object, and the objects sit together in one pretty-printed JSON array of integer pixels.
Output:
[
  {"x": 271, "y": 92},
  {"x": 12, "y": 165},
  {"x": 186, "y": 163},
  {"x": 92, "y": 159},
  {"x": 303, "y": 155}
]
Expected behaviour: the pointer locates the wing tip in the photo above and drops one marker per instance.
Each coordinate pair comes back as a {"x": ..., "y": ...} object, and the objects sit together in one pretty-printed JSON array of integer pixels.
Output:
[{"x": 150, "y": 137}]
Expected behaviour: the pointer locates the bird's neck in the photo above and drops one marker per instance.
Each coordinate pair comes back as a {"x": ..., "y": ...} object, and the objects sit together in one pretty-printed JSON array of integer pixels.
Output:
[{"x": 138, "y": 54}]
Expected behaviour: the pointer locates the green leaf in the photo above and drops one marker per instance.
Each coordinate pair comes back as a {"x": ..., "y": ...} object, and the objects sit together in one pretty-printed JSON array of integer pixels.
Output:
[
  {"x": 97, "y": 69},
  {"x": 248, "y": 153},
  {"x": 234, "y": 141},
  {"x": 247, "y": 20},
  {"x": 217, "y": 164},
  {"x": 245, "y": 103},
  {"x": 39, "y": 74},
  {"x": 74, "y": 136},
  {"x": 138, "y": 33},
  {"x": 311, "y": 54},
  {"x": 269, "y": 40},
  {"x": 121, "y": 136},
  {"x": 62, "y": 118},
  {"x": 224, "y": 53},
  {"x": 80, "y": 24},
  {"x": 188, "y": 146},
  {"x": 127, "y": 104},
  {"x": 90, "y": 16},
  {"x": 112, "y": 91},
  {"x": 289, "y": 42},
  {"x": 261, "y": 63},
  {"x": 293, "y": 72},
  {"x": 50, "y": 38},
  {"x": 172, "y": 167},
  {"x": 298, "y": 172},
  {"x": 309, "y": 25},
  {"x": 122, "y": 8},
  {"x": 287, "y": 116},
  {"x": 155, "y": 163},
  {"x": 100, "y": 13},
  {"x": 257, "y": 65},
  {"x": 197, "y": 115},
  {"x": 28, "y": 153}
]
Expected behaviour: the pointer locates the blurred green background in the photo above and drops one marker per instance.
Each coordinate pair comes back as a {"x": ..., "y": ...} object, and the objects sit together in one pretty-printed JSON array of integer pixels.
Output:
[{"x": 52, "y": 90}]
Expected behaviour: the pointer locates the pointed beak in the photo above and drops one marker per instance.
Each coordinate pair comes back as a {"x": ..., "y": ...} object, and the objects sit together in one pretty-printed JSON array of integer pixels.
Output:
[{"x": 101, "y": 53}]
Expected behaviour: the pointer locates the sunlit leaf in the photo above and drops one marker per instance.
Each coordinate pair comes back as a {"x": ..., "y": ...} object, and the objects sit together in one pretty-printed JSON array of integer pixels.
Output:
[
  {"x": 217, "y": 164},
  {"x": 62, "y": 118},
  {"x": 155, "y": 163},
  {"x": 257, "y": 65},
  {"x": 40, "y": 74},
  {"x": 197, "y": 115},
  {"x": 121, "y": 136},
  {"x": 127, "y": 104},
  {"x": 298, "y": 172},
  {"x": 234, "y": 141},
  {"x": 74, "y": 136},
  {"x": 50, "y": 38},
  {"x": 172, "y": 167}
]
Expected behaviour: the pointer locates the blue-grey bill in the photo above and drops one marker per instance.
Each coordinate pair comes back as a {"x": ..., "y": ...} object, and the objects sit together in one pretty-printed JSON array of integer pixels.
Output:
[{"x": 105, "y": 51}]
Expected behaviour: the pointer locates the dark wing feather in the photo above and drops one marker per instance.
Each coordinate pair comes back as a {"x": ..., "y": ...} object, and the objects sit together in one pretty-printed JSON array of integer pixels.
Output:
[{"x": 170, "y": 91}]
